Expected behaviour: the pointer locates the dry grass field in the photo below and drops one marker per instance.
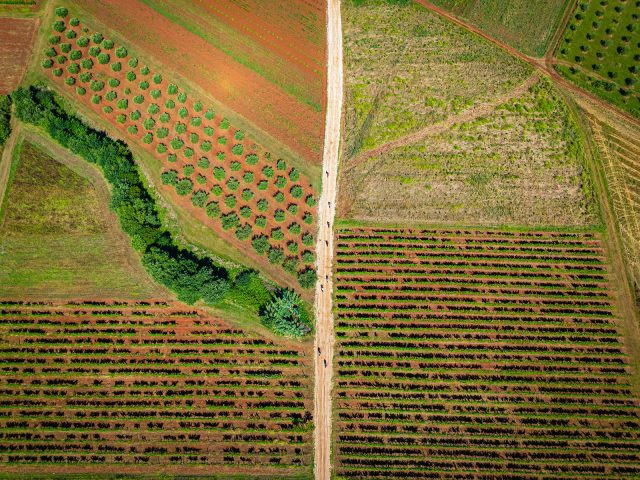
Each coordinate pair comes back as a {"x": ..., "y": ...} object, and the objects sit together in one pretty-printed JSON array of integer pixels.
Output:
[
  {"x": 57, "y": 237},
  {"x": 408, "y": 68},
  {"x": 522, "y": 163},
  {"x": 619, "y": 149}
]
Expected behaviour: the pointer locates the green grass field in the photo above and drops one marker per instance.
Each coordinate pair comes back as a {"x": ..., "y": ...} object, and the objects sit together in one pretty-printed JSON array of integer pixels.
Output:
[
  {"x": 407, "y": 68},
  {"x": 57, "y": 238},
  {"x": 600, "y": 51},
  {"x": 524, "y": 24}
]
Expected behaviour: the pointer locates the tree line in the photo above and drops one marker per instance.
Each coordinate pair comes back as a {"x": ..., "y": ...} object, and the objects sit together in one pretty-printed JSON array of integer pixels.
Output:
[{"x": 189, "y": 276}]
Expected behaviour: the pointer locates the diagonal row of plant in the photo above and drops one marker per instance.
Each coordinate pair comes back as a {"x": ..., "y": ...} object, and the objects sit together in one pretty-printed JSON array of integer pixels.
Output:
[{"x": 228, "y": 181}]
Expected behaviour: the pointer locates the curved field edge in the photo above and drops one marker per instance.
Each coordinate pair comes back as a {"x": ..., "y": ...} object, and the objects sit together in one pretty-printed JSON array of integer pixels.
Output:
[
  {"x": 190, "y": 276},
  {"x": 52, "y": 251},
  {"x": 195, "y": 137}
]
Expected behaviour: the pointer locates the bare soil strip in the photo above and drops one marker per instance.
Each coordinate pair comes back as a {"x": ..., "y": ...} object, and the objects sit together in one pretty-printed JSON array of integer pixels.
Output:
[{"x": 323, "y": 349}]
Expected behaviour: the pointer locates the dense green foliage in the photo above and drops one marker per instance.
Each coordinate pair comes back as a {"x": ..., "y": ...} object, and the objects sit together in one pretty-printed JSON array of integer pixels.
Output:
[
  {"x": 285, "y": 314},
  {"x": 600, "y": 51},
  {"x": 190, "y": 277},
  {"x": 5, "y": 118}
]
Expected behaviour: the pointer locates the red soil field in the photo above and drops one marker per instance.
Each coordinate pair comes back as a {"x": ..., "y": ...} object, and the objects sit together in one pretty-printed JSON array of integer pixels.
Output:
[
  {"x": 298, "y": 126},
  {"x": 149, "y": 388},
  {"x": 16, "y": 43},
  {"x": 474, "y": 354},
  {"x": 175, "y": 159}
]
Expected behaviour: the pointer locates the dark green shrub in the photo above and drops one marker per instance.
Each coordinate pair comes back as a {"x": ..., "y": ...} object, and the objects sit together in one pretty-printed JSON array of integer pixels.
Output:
[
  {"x": 121, "y": 52},
  {"x": 307, "y": 218},
  {"x": 290, "y": 265},
  {"x": 279, "y": 215},
  {"x": 245, "y": 212},
  {"x": 184, "y": 187},
  {"x": 251, "y": 159},
  {"x": 279, "y": 197},
  {"x": 59, "y": 26},
  {"x": 203, "y": 162},
  {"x": 247, "y": 194},
  {"x": 285, "y": 314},
  {"x": 281, "y": 164},
  {"x": 148, "y": 138},
  {"x": 219, "y": 173},
  {"x": 153, "y": 109},
  {"x": 169, "y": 177},
  {"x": 260, "y": 244},
  {"x": 116, "y": 66},
  {"x": 144, "y": 85},
  {"x": 239, "y": 135},
  {"x": 80, "y": 91},
  {"x": 261, "y": 221},
  {"x": 61, "y": 12},
  {"x": 161, "y": 148},
  {"x": 131, "y": 76},
  {"x": 149, "y": 123},
  {"x": 199, "y": 199},
  {"x": 216, "y": 190},
  {"x": 281, "y": 181},
  {"x": 114, "y": 82},
  {"x": 310, "y": 201},
  {"x": 307, "y": 278},
  {"x": 188, "y": 170},
  {"x": 183, "y": 112},
  {"x": 201, "y": 179},
  {"x": 97, "y": 38},
  {"x": 235, "y": 166},
  {"x": 277, "y": 234},
  {"x": 212, "y": 210},
  {"x": 82, "y": 41},
  {"x": 87, "y": 64},
  {"x": 193, "y": 137},
  {"x": 145, "y": 70},
  {"x": 233, "y": 184},
  {"x": 196, "y": 121},
  {"x": 225, "y": 124},
  {"x": 155, "y": 93},
  {"x": 172, "y": 89},
  {"x": 243, "y": 232},
  {"x": 308, "y": 257},
  {"x": 133, "y": 62},
  {"x": 229, "y": 221},
  {"x": 230, "y": 201},
  {"x": 188, "y": 152},
  {"x": 209, "y": 114},
  {"x": 268, "y": 172},
  {"x": 206, "y": 146},
  {"x": 104, "y": 58},
  {"x": 138, "y": 99},
  {"x": 262, "y": 205},
  {"x": 237, "y": 149},
  {"x": 73, "y": 68},
  {"x": 248, "y": 177},
  {"x": 208, "y": 131},
  {"x": 176, "y": 143},
  {"x": 276, "y": 255},
  {"x": 307, "y": 239},
  {"x": 296, "y": 191},
  {"x": 294, "y": 175},
  {"x": 294, "y": 229},
  {"x": 182, "y": 97},
  {"x": 170, "y": 104}
]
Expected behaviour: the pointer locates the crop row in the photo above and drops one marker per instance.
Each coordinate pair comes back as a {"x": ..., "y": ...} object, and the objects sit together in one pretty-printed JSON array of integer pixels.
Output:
[
  {"x": 115, "y": 388},
  {"x": 482, "y": 355}
]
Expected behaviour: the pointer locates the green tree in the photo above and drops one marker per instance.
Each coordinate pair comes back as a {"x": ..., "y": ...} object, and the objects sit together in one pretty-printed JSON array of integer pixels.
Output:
[{"x": 285, "y": 315}]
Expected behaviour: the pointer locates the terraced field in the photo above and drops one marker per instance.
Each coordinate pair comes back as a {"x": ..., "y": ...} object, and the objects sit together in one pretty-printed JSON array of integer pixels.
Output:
[
  {"x": 146, "y": 388},
  {"x": 480, "y": 354}
]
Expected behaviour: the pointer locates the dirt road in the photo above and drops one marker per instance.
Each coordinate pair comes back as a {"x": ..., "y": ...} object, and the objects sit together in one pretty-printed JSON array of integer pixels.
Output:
[
  {"x": 324, "y": 250},
  {"x": 544, "y": 65}
]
